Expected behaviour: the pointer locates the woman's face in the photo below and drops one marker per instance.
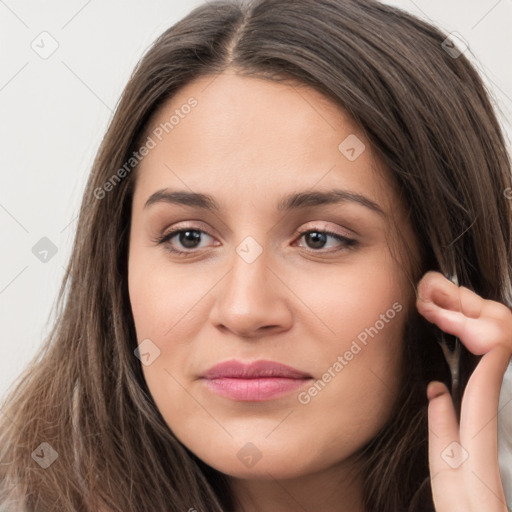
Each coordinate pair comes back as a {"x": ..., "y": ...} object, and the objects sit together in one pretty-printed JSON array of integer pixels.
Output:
[{"x": 250, "y": 287}]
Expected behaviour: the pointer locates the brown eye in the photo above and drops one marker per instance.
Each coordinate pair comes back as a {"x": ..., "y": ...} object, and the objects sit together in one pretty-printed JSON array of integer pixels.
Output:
[
  {"x": 317, "y": 239},
  {"x": 187, "y": 239}
]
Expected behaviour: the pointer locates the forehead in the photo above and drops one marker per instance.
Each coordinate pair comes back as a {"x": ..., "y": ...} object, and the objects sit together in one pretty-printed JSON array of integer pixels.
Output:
[{"x": 249, "y": 138}]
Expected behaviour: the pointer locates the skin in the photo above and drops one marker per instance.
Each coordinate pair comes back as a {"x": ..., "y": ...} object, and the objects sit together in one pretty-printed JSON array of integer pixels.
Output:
[
  {"x": 485, "y": 327},
  {"x": 296, "y": 303}
]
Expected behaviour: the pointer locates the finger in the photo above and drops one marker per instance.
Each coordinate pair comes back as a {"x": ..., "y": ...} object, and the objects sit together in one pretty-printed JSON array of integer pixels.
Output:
[
  {"x": 478, "y": 429},
  {"x": 445, "y": 452},
  {"x": 436, "y": 289},
  {"x": 479, "y": 335},
  {"x": 480, "y": 324}
]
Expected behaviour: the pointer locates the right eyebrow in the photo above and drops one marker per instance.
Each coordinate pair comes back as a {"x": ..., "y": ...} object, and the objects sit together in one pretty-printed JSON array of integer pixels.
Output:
[{"x": 182, "y": 197}]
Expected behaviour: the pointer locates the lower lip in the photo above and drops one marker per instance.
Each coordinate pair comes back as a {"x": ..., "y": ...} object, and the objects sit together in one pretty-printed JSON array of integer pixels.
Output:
[{"x": 254, "y": 390}]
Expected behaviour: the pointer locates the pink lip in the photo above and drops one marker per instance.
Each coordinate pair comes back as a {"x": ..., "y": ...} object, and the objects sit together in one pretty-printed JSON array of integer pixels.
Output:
[{"x": 258, "y": 381}]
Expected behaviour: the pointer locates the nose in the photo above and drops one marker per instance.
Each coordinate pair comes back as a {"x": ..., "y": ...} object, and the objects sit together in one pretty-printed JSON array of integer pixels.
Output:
[{"x": 252, "y": 300}]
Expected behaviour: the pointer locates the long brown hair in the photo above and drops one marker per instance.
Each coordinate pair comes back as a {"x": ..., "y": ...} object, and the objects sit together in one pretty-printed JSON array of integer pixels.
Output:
[{"x": 429, "y": 118}]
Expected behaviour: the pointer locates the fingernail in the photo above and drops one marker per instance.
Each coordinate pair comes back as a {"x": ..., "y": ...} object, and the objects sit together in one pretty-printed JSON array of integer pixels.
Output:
[{"x": 435, "y": 389}]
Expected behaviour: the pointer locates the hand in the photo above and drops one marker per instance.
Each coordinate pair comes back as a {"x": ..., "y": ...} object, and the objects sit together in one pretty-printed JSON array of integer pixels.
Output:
[{"x": 463, "y": 459}]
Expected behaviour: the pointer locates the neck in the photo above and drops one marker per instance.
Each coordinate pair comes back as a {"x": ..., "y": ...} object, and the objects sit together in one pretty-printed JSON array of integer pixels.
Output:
[{"x": 336, "y": 489}]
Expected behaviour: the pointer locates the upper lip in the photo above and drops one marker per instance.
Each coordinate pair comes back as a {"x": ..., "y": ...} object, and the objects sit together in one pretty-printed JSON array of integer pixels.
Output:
[{"x": 257, "y": 369}]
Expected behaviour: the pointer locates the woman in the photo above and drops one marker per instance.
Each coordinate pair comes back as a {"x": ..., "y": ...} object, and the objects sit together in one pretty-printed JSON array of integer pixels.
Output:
[{"x": 214, "y": 351}]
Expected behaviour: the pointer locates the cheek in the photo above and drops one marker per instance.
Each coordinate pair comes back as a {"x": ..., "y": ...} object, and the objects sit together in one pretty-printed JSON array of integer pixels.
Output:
[
  {"x": 360, "y": 361},
  {"x": 163, "y": 297},
  {"x": 349, "y": 299},
  {"x": 368, "y": 316}
]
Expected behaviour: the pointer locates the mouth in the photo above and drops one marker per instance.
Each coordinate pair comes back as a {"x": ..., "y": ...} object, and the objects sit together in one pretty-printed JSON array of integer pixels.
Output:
[{"x": 254, "y": 382}]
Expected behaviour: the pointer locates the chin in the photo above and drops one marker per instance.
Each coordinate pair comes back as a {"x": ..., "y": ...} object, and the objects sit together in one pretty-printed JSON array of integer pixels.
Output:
[{"x": 261, "y": 461}]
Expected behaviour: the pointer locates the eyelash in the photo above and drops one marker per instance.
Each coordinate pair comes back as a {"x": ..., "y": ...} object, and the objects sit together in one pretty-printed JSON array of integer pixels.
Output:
[{"x": 349, "y": 243}]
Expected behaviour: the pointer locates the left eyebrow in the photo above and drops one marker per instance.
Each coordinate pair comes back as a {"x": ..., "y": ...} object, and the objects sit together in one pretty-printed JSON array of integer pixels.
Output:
[
  {"x": 308, "y": 199},
  {"x": 290, "y": 202}
]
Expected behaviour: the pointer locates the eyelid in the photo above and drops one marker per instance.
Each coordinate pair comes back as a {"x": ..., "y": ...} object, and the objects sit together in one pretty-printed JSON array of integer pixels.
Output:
[
  {"x": 193, "y": 225},
  {"x": 323, "y": 226}
]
